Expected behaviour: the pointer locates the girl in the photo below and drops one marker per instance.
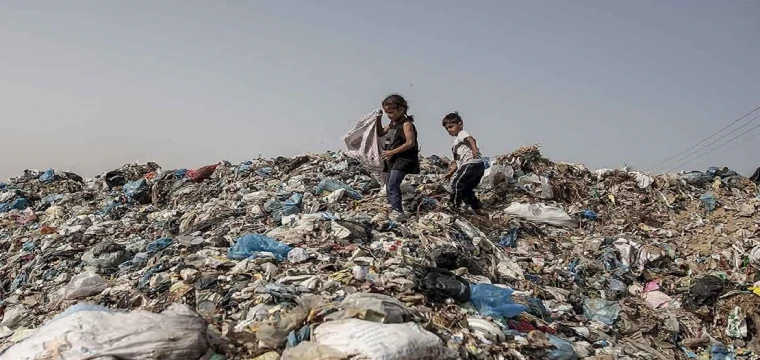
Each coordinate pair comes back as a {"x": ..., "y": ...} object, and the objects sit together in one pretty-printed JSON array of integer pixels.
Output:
[{"x": 401, "y": 151}]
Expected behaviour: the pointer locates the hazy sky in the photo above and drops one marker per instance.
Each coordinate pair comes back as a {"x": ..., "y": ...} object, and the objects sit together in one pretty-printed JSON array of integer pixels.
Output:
[{"x": 90, "y": 85}]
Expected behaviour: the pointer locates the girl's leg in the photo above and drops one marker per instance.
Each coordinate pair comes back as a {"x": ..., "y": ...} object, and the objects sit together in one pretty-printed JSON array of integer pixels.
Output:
[{"x": 394, "y": 189}]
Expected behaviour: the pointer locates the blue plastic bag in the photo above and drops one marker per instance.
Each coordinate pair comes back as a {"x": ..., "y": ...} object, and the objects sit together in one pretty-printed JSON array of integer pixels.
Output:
[
  {"x": 330, "y": 185},
  {"x": 244, "y": 167},
  {"x": 249, "y": 244},
  {"x": 19, "y": 204},
  {"x": 509, "y": 238},
  {"x": 5, "y": 207},
  {"x": 52, "y": 198},
  {"x": 589, "y": 214},
  {"x": 180, "y": 173},
  {"x": 158, "y": 245},
  {"x": 292, "y": 205},
  {"x": 136, "y": 189},
  {"x": 264, "y": 172},
  {"x": 708, "y": 201},
  {"x": 47, "y": 176},
  {"x": 494, "y": 301},
  {"x": 564, "y": 349},
  {"x": 603, "y": 311},
  {"x": 718, "y": 351}
]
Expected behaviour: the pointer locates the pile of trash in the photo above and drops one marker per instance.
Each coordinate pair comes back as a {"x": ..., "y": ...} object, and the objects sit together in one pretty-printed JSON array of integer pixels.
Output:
[{"x": 296, "y": 258}]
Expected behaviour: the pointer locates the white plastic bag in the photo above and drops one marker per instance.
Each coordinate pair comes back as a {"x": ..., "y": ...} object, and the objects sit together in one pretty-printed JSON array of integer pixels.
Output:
[
  {"x": 363, "y": 144},
  {"x": 90, "y": 332},
  {"x": 542, "y": 213},
  {"x": 82, "y": 285},
  {"x": 539, "y": 186},
  {"x": 374, "y": 341},
  {"x": 495, "y": 175}
]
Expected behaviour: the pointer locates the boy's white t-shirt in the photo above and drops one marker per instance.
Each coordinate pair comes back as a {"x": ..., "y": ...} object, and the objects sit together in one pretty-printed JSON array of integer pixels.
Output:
[{"x": 462, "y": 151}]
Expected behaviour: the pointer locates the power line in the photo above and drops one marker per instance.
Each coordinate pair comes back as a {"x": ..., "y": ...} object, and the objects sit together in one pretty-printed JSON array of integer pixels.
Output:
[
  {"x": 666, "y": 167},
  {"x": 703, "y": 140},
  {"x": 722, "y": 145},
  {"x": 739, "y": 143}
]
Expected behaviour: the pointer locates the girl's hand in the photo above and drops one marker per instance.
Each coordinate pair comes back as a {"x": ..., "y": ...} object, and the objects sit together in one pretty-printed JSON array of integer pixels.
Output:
[{"x": 387, "y": 154}]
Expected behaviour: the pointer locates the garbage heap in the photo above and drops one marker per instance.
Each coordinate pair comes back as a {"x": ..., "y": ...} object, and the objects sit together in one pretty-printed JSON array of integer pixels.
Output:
[{"x": 296, "y": 258}]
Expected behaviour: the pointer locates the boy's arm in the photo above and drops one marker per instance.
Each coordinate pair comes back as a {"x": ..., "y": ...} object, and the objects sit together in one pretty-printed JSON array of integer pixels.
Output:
[
  {"x": 452, "y": 170},
  {"x": 473, "y": 146}
]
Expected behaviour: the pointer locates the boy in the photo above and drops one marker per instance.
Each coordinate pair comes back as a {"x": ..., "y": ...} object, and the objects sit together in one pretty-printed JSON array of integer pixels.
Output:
[{"x": 467, "y": 168}]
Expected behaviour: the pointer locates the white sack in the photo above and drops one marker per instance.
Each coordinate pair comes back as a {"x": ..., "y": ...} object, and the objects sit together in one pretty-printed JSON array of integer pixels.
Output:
[
  {"x": 367, "y": 340},
  {"x": 82, "y": 285},
  {"x": 542, "y": 213},
  {"x": 90, "y": 332},
  {"x": 363, "y": 144}
]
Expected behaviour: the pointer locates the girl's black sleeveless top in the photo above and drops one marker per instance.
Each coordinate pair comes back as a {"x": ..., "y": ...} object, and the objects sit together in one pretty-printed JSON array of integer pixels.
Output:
[{"x": 407, "y": 161}]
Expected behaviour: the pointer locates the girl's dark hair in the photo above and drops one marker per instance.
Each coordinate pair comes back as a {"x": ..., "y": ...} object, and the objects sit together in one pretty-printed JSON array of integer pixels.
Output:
[
  {"x": 452, "y": 118},
  {"x": 398, "y": 101}
]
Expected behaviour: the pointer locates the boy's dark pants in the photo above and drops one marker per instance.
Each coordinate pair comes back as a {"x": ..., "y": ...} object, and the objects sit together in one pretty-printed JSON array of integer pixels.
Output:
[{"x": 465, "y": 181}]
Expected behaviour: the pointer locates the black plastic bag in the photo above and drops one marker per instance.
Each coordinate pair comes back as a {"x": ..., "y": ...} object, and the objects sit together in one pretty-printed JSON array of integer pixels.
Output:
[
  {"x": 439, "y": 284},
  {"x": 705, "y": 292}
]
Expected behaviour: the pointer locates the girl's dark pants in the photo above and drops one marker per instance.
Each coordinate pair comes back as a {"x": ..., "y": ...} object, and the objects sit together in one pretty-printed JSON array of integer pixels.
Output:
[{"x": 393, "y": 188}]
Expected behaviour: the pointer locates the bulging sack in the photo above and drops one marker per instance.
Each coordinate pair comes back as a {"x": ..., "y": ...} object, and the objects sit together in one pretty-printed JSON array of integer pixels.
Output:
[
  {"x": 90, "y": 332},
  {"x": 363, "y": 145}
]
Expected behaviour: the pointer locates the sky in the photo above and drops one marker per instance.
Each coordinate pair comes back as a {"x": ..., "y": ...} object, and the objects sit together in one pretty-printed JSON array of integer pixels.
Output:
[{"x": 90, "y": 85}]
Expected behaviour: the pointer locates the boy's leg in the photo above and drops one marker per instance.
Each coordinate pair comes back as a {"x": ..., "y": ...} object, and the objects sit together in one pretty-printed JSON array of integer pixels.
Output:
[
  {"x": 458, "y": 186},
  {"x": 470, "y": 181},
  {"x": 394, "y": 189}
]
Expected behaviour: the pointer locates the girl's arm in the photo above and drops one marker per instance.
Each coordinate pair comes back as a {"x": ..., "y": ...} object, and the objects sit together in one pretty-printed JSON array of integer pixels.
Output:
[
  {"x": 473, "y": 146},
  {"x": 381, "y": 131}
]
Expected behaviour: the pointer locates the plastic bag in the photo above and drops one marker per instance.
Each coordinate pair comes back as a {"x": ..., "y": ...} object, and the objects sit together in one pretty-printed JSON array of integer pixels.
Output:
[
  {"x": 719, "y": 351},
  {"x": 496, "y": 175},
  {"x": 138, "y": 191},
  {"x": 47, "y": 176},
  {"x": 603, "y": 311},
  {"x": 363, "y": 144},
  {"x": 539, "y": 186},
  {"x": 201, "y": 174},
  {"x": 94, "y": 332},
  {"x": 249, "y": 244},
  {"x": 330, "y": 185},
  {"x": 564, "y": 349},
  {"x": 551, "y": 215},
  {"x": 82, "y": 285},
  {"x": 708, "y": 201},
  {"x": 19, "y": 204},
  {"x": 158, "y": 245},
  {"x": 292, "y": 205},
  {"x": 509, "y": 239},
  {"x": 491, "y": 300},
  {"x": 375, "y": 341},
  {"x": 705, "y": 292},
  {"x": 439, "y": 285}
]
